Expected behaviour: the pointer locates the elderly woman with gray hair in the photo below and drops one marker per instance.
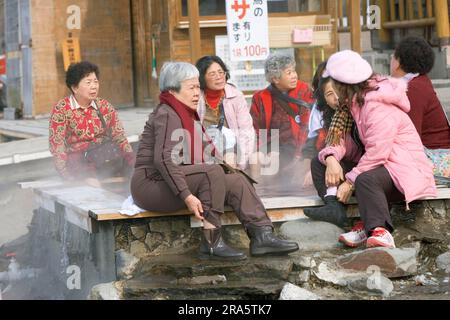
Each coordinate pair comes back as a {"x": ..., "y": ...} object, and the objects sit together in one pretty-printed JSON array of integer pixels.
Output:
[
  {"x": 171, "y": 172},
  {"x": 284, "y": 106}
]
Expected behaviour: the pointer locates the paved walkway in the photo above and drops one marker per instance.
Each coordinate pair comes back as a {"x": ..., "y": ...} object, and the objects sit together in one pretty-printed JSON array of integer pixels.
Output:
[{"x": 35, "y": 146}]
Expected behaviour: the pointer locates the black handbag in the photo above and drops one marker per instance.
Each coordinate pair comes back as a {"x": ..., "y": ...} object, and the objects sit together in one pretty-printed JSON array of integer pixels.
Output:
[{"x": 105, "y": 155}]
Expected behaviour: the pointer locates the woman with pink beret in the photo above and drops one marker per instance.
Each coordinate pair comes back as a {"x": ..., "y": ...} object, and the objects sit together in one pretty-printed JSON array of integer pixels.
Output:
[{"x": 372, "y": 129}]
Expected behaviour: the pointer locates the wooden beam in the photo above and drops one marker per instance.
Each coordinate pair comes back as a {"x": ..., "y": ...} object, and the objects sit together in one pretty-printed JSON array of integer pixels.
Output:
[
  {"x": 442, "y": 21},
  {"x": 194, "y": 30},
  {"x": 140, "y": 65},
  {"x": 355, "y": 25},
  {"x": 410, "y": 23}
]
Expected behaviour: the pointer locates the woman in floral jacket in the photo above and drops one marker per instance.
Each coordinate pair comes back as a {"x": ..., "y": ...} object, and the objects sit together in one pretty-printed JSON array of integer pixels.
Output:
[{"x": 75, "y": 124}]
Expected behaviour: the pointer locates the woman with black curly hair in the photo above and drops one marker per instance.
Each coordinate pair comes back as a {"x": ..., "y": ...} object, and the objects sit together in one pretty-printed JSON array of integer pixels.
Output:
[{"x": 412, "y": 60}]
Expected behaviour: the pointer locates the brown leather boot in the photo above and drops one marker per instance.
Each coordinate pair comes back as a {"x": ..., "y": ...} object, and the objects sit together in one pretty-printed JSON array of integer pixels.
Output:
[{"x": 213, "y": 246}]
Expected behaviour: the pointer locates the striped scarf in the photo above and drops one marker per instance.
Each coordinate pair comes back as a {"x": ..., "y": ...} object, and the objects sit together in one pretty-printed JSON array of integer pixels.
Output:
[{"x": 341, "y": 124}]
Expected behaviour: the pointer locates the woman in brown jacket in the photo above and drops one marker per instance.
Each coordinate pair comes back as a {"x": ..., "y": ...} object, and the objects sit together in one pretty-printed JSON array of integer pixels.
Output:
[{"x": 175, "y": 168}]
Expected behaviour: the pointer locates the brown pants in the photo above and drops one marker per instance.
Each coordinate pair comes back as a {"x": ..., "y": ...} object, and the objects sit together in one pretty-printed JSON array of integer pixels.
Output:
[{"x": 211, "y": 186}]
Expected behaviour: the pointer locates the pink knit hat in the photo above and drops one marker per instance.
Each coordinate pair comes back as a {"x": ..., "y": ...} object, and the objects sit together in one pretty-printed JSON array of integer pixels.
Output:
[{"x": 348, "y": 66}]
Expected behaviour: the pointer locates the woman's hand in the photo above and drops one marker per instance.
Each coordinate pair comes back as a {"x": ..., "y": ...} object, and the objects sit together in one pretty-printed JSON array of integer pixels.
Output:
[
  {"x": 344, "y": 192},
  {"x": 93, "y": 182},
  {"x": 307, "y": 181},
  {"x": 334, "y": 173},
  {"x": 194, "y": 205}
]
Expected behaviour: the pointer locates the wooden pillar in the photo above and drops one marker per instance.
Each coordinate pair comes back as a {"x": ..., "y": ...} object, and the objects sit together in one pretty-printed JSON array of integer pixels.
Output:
[
  {"x": 429, "y": 9},
  {"x": 401, "y": 9},
  {"x": 384, "y": 34},
  {"x": 392, "y": 10},
  {"x": 140, "y": 65},
  {"x": 194, "y": 30},
  {"x": 355, "y": 25},
  {"x": 333, "y": 11},
  {"x": 420, "y": 9},
  {"x": 442, "y": 21},
  {"x": 410, "y": 9}
]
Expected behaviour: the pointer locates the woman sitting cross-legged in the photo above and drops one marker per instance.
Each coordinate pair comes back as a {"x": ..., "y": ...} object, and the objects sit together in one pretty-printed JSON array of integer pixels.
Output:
[
  {"x": 172, "y": 172},
  {"x": 391, "y": 164}
]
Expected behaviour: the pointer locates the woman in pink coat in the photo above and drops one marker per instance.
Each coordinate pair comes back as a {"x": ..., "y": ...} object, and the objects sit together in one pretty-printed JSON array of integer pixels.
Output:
[
  {"x": 223, "y": 110},
  {"x": 373, "y": 130}
]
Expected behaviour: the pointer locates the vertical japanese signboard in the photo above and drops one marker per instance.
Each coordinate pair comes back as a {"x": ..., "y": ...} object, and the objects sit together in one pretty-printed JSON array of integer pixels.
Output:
[
  {"x": 71, "y": 51},
  {"x": 248, "y": 29}
]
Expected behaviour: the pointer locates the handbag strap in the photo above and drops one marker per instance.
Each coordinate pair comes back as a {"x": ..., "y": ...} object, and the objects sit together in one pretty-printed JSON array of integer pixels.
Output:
[
  {"x": 102, "y": 119},
  {"x": 221, "y": 116},
  {"x": 284, "y": 101}
]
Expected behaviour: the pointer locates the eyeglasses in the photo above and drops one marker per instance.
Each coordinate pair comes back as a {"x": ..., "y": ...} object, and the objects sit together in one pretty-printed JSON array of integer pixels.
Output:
[{"x": 214, "y": 75}]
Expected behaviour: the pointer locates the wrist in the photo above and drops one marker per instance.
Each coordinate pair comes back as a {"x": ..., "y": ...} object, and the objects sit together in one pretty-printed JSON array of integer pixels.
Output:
[{"x": 352, "y": 187}]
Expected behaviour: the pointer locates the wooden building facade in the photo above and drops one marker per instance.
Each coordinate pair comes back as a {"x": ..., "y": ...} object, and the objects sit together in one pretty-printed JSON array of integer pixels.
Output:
[{"x": 125, "y": 37}]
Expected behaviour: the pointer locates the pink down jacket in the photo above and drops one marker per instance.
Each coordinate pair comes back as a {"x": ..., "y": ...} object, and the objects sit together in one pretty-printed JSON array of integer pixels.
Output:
[{"x": 390, "y": 140}]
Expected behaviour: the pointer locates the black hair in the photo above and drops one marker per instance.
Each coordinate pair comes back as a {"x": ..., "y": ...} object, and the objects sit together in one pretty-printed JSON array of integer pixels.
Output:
[
  {"x": 318, "y": 74},
  {"x": 203, "y": 65},
  {"x": 321, "y": 102},
  {"x": 78, "y": 71},
  {"x": 415, "y": 55}
]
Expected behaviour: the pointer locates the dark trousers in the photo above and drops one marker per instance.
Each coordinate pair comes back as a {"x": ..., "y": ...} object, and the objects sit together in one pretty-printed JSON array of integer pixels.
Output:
[
  {"x": 374, "y": 190},
  {"x": 211, "y": 186}
]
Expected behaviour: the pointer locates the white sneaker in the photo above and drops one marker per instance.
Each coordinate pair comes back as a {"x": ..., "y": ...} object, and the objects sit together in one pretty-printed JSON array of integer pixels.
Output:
[
  {"x": 381, "y": 238},
  {"x": 354, "y": 238}
]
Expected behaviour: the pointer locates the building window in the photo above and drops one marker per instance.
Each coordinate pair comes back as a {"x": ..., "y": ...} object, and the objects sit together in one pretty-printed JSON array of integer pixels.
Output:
[{"x": 217, "y": 7}]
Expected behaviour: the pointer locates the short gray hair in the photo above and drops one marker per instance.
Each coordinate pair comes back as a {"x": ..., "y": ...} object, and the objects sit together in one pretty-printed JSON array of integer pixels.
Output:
[
  {"x": 174, "y": 73},
  {"x": 275, "y": 65}
]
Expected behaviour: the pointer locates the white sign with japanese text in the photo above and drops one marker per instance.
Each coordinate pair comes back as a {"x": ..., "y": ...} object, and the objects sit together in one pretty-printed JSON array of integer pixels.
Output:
[{"x": 248, "y": 29}]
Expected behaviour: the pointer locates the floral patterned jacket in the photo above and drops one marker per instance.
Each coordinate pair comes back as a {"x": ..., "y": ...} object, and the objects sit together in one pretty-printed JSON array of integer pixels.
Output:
[{"x": 73, "y": 129}]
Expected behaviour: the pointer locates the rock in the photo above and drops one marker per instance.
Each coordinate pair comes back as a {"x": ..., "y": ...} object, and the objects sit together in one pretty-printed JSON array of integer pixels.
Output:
[
  {"x": 312, "y": 235},
  {"x": 181, "y": 225},
  {"x": 125, "y": 264},
  {"x": 332, "y": 275},
  {"x": 138, "y": 249},
  {"x": 235, "y": 236},
  {"x": 293, "y": 292},
  {"x": 303, "y": 277},
  {"x": 447, "y": 204},
  {"x": 201, "y": 280},
  {"x": 305, "y": 262},
  {"x": 377, "y": 284},
  {"x": 139, "y": 232},
  {"x": 438, "y": 207},
  {"x": 443, "y": 262},
  {"x": 422, "y": 280},
  {"x": 153, "y": 240},
  {"x": 105, "y": 291},
  {"x": 161, "y": 226},
  {"x": 394, "y": 263}
]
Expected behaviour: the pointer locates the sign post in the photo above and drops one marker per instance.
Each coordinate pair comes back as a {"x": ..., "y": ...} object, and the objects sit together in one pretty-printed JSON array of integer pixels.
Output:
[{"x": 248, "y": 29}]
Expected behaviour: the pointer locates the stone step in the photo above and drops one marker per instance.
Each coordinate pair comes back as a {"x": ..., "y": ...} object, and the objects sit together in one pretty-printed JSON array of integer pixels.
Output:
[
  {"x": 189, "y": 266},
  {"x": 164, "y": 289}
]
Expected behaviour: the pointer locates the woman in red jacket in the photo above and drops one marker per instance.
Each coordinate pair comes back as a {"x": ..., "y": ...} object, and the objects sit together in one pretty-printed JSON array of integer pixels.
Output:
[{"x": 412, "y": 60}]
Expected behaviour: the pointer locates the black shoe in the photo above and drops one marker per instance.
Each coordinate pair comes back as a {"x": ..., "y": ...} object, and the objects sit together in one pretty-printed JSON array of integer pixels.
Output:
[
  {"x": 213, "y": 247},
  {"x": 263, "y": 241},
  {"x": 333, "y": 212}
]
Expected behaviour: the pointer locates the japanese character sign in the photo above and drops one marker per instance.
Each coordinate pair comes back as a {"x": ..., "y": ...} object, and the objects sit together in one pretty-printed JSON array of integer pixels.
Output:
[{"x": 248, "y": 29}]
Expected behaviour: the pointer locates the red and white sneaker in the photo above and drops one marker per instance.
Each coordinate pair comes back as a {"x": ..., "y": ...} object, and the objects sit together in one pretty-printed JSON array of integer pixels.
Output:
[
  {"x": 380, "y": 238},
  {"x": 356, "y": 237}
]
